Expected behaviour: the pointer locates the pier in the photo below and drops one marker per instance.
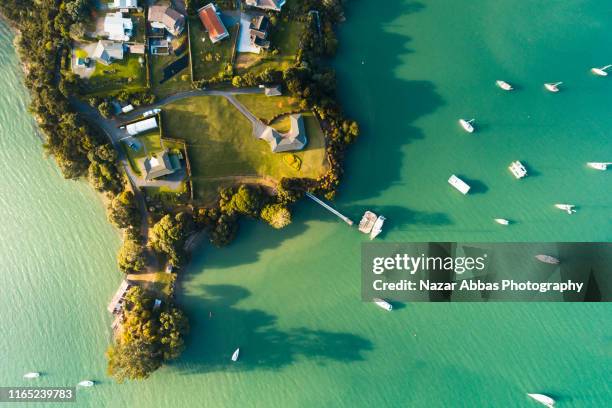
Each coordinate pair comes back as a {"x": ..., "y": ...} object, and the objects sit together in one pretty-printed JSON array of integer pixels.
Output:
[{"x": 330, "y": 209}]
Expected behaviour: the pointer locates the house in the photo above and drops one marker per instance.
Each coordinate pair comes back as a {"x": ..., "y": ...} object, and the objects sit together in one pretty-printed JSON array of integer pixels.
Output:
[
  {"x": 83, "y": 62},
  {"x": 272, "y": 90},
  {"x": 212, "y": 23},
  {"x": 295, "y": 139},
  {"x": 116, "y": 303},
  {"x": 117, "y": 27},
  {"x": 142, "y": 126},
  {"x": 137, "y": 48},
  {"x": 258, "y": 31},
  {"x": 160, "y": 166},
  {"x": 123, "y": 4},
  {"x": 108, "y": 51},
  {"x": 274, "y": 5},
  {"x": 159, "y": 46},
  {"x": 164, "y": 17}
]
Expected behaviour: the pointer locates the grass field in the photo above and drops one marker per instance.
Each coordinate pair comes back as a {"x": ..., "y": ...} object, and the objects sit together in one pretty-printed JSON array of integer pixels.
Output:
[
  {"x": 222, "y": 149},
  {"x": 127, "y": 74},
  {"x": 181, "y": 81},
  {"x": 150, "y": 143},
  {"x": 209, "y": 59},
  {"x": 267, "y": 107}
]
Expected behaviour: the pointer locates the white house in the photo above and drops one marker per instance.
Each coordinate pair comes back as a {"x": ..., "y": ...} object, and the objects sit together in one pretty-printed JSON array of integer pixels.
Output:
[
  {"x": 123, "y": 4},
  {"x": 142, "y": 126},
  {"x": 118, "y": 27}
]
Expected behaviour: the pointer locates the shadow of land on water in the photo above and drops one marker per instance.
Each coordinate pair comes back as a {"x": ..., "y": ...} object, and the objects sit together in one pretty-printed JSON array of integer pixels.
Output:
[
  {"x": 262, "y": 344},
  {"x": 385, "y": 104}
]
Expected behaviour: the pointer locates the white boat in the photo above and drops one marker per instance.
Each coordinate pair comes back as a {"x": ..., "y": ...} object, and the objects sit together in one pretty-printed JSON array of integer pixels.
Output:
[
  {"x": 547, "y": 259},
  {"x": 377, "y": 229},
  {"x": 31, "y": 375},
  {"x": 383, "y": 304},
  {"x": 553, "y": 87},
  {"x": 568, "y": 208},
  {"x": 367, "y": 222},
  {"x": 86, "y": 383},
  {"x": 601, "y": 71},
  {"x": 502, "y": 221},
  {"x": 459, "y": 184},
  {"x": 517, "y": 168},
  {"x": 598, "y": 166},
  {"x": 504, "y": 85},
  {"x": 543, "y": 399},
  {"x": 236, "y": 354},
  {"x": 467, "y": 125}
]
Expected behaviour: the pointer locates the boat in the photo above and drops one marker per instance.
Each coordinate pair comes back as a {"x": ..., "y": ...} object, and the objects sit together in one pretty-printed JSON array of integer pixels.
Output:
[
  {"x": 543, "y": 399},
  {"x": 86, "y": 383},
  {"x": 236, "y": 354},
  {"x": 553, "y": 87},
  {"x": 568, "y": 208},
  {"x": 467, "y": 125},
  {"x": 504, "y": 85},
  {"x": 502, "y": 221},
  {"x": 367, "y": 222},
  {"x": 383, "y": 304},
  {"x": 601, "y": 71},
  {"x": 31, "y": 375},
  {"x": 459, "y": 184},
  {"x": 598, "y": 166},
  {"x": 377, "y": 229},
  {"x": 548, "y": 259},
  {"x": 517, "y": 168}
]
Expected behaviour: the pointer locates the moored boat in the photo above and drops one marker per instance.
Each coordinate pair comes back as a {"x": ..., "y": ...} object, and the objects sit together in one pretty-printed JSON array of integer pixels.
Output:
[
  {"x": 467, "y": 125},
  {"x": 601, "y": 71},
  {"x": 377, "y": 229},
  {"x": 504, "y": 85},
  {"x": 552, "y": 87},
  {"x": 367, "y": 222},
  {"x": 383, "y": 304},
  {"x": 543, "y": 399},
  {"x": 547, "y": 259},
  {"x": 598, "y": 166},
  {"x": 517, "y": 168},
  {"x": 31, "y": 375},
  {"x": 502, "y": 221},
  {"x": 236, "y": 354},
  {"x": 86, "y": 383},
  {"x": 459, "y": 184},
  {"x": 568, "y": 208}
]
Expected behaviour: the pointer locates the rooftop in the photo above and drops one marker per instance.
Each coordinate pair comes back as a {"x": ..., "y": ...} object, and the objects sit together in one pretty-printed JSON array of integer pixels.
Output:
[
  {"x": 162, "y": 16},
  {"x": 275, "y": 5},
  {"x": 212, "y": 22},
  {"x": 295, "y": 139},
  {"x": 117, "y": 27},
  {"x": 107, "y": 51},
  {"x": 159, "y": 166}
]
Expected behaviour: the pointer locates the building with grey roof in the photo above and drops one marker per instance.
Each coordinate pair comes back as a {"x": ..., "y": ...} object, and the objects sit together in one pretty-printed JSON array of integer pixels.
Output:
[
  {"x": 108, "y": 51},
  {"x": 162, "y": 16},
  {"x": 258, "y": 31},
  {"x": 160, "y": 166},
  {"x": 275, "y": 5},
  {"x": 295, "y": 139}
]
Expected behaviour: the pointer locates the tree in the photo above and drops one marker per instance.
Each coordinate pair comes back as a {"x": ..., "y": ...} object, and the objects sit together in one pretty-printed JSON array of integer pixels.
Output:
[
  {"x": 277, "y": 215},
  {"x": 173, "y": 325},
  {"x": 133, "y": 360},
  {"x": 123, "y": 211},
  {"x": 248, "y": 200},
  {"x": 169, "y": 234},
  {"x": 106, "y": 110},
  {"x": 131, "y": 256}
]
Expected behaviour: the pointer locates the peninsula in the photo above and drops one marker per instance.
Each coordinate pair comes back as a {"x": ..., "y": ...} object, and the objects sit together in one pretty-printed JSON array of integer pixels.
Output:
[{"x": 187, "y": 116}]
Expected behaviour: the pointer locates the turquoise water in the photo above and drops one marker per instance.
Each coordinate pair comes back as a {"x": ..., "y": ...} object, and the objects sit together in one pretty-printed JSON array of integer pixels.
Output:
[{"x": 291, "y": 299}]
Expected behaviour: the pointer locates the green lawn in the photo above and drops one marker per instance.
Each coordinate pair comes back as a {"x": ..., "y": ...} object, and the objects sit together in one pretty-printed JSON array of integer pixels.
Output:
[
  {"x": 151, "y": 143},
  {"x": 127, "y": 74},
  {"x": 181, "y": 81},
  {"x": 209, "y": 59},
  {"x": 285, "y": 37},
  {"x": 222, "y": 149},
  {"x": 267, "y": 107}
]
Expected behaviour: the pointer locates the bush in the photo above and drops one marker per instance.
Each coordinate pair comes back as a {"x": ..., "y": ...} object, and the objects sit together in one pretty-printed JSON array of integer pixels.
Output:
[{"x": 277, "y": 215}]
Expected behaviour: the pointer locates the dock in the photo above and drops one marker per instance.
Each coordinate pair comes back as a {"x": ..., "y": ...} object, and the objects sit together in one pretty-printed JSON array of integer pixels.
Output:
[{"x": 330, "y": 209}]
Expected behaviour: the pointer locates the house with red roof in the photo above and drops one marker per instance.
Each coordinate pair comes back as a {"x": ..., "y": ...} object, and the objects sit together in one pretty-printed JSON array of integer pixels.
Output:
[{"x": 210, "y": 18}]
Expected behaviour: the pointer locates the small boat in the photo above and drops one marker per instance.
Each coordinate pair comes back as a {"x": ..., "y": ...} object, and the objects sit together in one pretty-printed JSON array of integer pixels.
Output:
[
  {"x": 367, "y": 222},
  {"x": 459, "y": 184},
  {"x": 568, "y": 208},
  {"x": 504, "y": 85},
  {"x": 502, "y": 221},
  {"x": 236, "y": 355},
  {"x": 377, "y": 229},
  {"x": 553, "y": 87},
  {"x": 598, "y": 166},
  {"x": 517, "y": 168},
  {"x": 467, "y": 125},
  {"x": 548, "y": 259},
  {"x": 383, "y": 304},
  {"x": 31, "y": 375},
  {"x": 543, "y": 399},
  {"x": 601, "y": 71},
  {"x": 86, "y": 383}
]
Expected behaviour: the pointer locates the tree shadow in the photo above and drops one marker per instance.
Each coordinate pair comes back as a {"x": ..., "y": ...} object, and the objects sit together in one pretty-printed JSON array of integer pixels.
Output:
[
  {"x": 385, "y": 104},
  {"x": 219, "y": 326}
]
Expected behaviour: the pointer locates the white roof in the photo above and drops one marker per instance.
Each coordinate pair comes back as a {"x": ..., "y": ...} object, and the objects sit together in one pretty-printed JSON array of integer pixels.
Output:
[
  {"x": 116, "y": 26},
  {"x": 125, "y": 3},
  {"x": 142, "y": 126}
]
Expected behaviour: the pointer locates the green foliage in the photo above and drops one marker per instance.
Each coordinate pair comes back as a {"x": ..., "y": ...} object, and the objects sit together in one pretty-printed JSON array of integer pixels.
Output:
[
  {"x": 247, "y": 200},
  {"x": 123, "y": 211},
  {"x": 103, "y": 173},
  {"x": 131, "y": 256},
  {"x": 106, "y": 109},
  {"x": 133, "y": 360},
  {"x": 169, "y": 234},
  {"x": 277, "y": 215}
]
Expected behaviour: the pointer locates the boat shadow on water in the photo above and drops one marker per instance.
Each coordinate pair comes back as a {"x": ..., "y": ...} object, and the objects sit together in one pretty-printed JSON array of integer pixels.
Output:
[
  {"x": 476, "y": 186},
  {"x": 400, "y": 218},
  {"x": 263, "y": 344}
]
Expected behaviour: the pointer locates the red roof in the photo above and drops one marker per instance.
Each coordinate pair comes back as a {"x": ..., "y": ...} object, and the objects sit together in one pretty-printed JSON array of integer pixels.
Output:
[{"x": 212, "y": 22}]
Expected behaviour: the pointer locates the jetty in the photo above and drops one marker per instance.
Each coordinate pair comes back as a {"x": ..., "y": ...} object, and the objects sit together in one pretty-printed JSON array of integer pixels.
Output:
[{"x": 330, "y": 209}]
